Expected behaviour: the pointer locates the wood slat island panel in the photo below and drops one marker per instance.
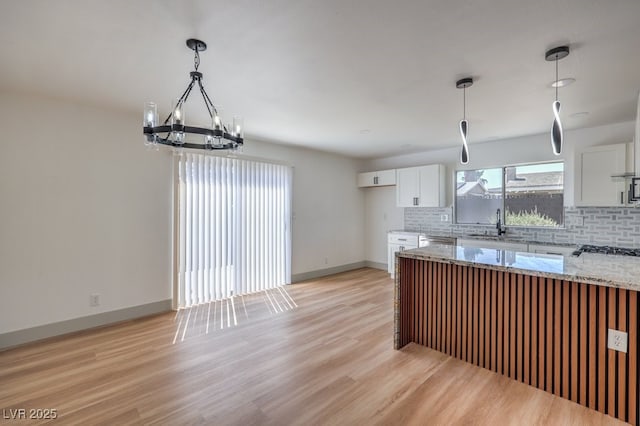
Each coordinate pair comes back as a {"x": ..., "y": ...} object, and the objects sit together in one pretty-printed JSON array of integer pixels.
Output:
[{"x": 546, "y": 332}]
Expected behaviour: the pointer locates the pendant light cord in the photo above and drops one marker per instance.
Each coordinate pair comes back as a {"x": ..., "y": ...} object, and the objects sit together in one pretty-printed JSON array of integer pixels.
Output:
[
  {"x": 464, "y": 103},
  {"x": 556, "y": 78}
]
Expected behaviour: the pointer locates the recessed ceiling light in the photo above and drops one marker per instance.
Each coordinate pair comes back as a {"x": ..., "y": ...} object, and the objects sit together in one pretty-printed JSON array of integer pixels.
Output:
[
  {"x": 580, "y": 114},
  {"x": 563, "y": 82}
]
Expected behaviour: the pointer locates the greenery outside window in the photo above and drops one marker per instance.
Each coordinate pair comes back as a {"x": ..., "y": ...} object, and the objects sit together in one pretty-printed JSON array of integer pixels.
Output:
[{"x": 527, "y": 195}]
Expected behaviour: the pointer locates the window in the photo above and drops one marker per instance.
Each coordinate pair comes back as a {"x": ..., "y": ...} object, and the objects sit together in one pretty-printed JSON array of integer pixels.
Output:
[
  {"x": 479, "y": 195},
  {"x": 527, "y": 195},
  {"x": 234, "y": 228}
]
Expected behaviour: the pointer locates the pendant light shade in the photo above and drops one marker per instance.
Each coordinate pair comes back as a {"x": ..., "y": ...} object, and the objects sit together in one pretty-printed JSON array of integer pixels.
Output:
[
  {"x": 556, "y": 130},
  {"x": 555, "y": 55},
  {"x": 464, "y": 124},
  {"x": 464, "y": 154}
]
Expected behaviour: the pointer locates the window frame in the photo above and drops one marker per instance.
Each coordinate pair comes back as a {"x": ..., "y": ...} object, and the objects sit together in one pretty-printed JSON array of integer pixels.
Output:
[{"x": 504, "y": 195}]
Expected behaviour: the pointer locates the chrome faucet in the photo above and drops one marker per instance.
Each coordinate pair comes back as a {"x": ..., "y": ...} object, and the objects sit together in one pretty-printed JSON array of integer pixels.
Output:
[{"x": 499, "y": 227}]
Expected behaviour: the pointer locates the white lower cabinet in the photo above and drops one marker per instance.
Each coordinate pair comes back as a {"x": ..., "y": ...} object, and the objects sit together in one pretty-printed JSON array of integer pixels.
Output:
[{"x": 401, "y": 241}]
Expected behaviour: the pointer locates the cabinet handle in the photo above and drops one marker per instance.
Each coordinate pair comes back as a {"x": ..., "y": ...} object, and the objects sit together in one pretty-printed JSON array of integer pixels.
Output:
[
  {"x": 375, "y": 180},
  {"x": 402, "y": 239},
  {"x": 415, "y": 201},
  {"x": 621, "y": 197}
]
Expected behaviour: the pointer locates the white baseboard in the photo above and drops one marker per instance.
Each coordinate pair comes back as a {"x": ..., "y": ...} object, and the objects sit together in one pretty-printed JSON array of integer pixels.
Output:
[
  {"x": 375, "y": 265},
  {"x": 295, "y": 278},
  {"x": 20, "y": 337}
]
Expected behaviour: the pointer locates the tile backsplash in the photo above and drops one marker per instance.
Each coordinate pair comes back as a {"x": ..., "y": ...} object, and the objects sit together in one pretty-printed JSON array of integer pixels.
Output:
[{"x": 615, "y": 226}]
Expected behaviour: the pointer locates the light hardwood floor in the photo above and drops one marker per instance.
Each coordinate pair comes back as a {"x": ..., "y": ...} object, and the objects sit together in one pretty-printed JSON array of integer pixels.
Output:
[{"x": 330, "y": 360}]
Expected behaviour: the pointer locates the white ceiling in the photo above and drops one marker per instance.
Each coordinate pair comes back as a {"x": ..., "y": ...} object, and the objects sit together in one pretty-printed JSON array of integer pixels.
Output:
[{"x": 365, "y": 78}]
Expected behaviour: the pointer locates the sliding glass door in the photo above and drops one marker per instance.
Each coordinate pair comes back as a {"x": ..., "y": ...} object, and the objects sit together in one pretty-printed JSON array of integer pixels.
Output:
[{"x": 233, "y": 227}]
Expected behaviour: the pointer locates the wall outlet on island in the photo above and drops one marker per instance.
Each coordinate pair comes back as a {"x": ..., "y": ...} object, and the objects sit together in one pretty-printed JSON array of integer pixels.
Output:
[
  {"x": 617, "y": 340},
  {"x": 94, "y": 300},
  {"x": 444, "y": 218}
]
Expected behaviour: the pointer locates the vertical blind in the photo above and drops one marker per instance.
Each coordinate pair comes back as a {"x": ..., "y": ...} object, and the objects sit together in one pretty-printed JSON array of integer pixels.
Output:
[{"x": 234, "y": 227}]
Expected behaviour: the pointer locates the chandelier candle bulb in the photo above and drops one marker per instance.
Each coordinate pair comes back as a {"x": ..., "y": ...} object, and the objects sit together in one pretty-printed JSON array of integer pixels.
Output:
[
  {"x": 150, "y": 114},
  {"x": 237, "y": 127},
  {"x": 178, "y": 114}
]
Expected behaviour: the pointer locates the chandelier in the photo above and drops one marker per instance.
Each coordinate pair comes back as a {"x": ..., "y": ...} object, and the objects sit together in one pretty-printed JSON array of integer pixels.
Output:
[{"x": 173, "y": 131}]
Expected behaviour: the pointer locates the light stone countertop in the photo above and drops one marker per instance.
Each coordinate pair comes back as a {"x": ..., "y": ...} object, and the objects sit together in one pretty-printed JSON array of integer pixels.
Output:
[{"x": 589, "y": 268}]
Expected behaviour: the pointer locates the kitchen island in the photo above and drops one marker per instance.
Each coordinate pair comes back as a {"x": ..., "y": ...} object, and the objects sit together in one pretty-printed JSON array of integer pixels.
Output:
[{"x": 539, "y": 319}]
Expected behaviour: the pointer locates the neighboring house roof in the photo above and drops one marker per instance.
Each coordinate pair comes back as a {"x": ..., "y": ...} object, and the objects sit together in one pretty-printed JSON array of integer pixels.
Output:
[
  {"x": 472, "y": 188},
  {"x": 524, "y": 182},
  {"x": 545, "y": 181}
]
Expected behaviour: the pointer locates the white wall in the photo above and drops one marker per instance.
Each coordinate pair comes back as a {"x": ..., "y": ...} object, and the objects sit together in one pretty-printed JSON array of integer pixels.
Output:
[
  {"x": 86, "y": 209},
  {"x": 382, "y": 215},
  {"x": 328, "y": 207},
  {"x": 536, "y": 148}
]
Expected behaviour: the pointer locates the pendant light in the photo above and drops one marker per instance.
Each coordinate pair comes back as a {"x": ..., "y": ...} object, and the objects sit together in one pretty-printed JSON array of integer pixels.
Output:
[
  {"x": 556, "y": 54},
  {"x": 464, "y": 124}
]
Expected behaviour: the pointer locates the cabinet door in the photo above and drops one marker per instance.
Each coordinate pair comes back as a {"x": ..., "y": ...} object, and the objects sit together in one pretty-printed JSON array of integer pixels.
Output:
[
  {"x": 594, "y": 168},
  {"x": 391, "y": 250},
  {"x": 366, "y": 179},
  {"x": 408, "y": 187},
  {"x": 391, "y": 257},
  {"x": 381, "y": 178},
  {"x": 386, "y": 177},
  {"x": 431, "y": 186}
]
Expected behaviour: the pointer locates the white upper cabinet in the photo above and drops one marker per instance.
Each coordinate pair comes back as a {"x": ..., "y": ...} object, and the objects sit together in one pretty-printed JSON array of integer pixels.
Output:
[
  {"x": 594, "y": 167},
  {"x": 421, "y": 186},
  {"x": 380, "y": 178}
]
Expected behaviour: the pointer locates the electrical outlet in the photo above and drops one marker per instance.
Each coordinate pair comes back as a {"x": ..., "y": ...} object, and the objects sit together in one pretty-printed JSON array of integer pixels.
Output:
[
  {"x": 617, "y": 340},
  {"x": 94, "y": 300},
  {"x": 444, "y": 218}
]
